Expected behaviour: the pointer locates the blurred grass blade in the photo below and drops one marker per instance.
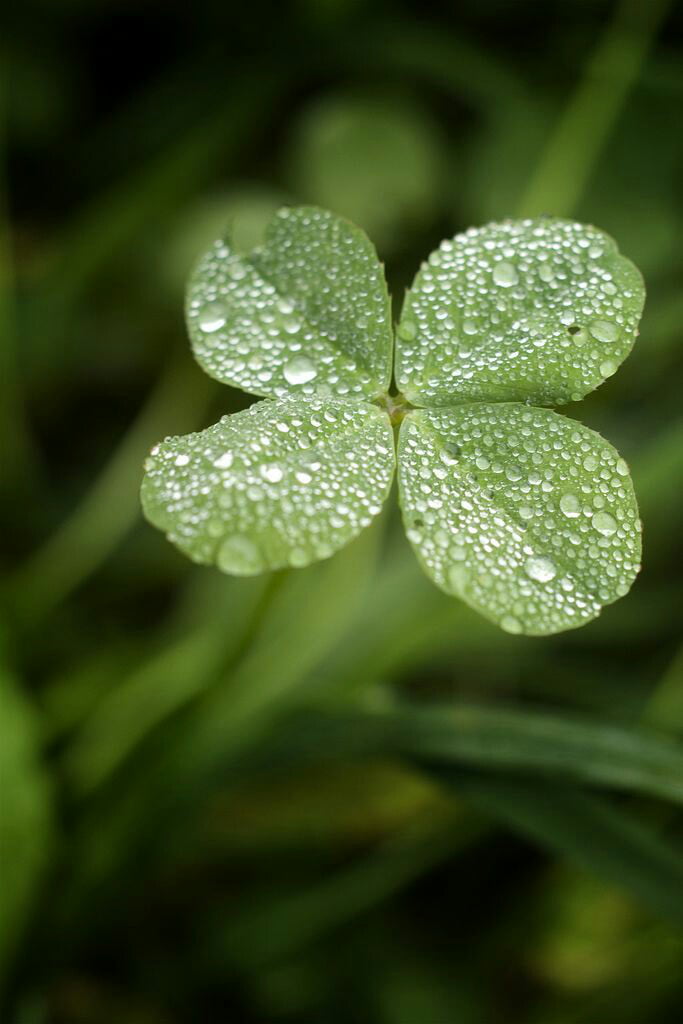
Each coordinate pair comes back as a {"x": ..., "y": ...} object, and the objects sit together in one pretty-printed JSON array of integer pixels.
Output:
[
  {"x": 587, "y": 830},
  {"x": 111, "y": 506},
  {"x": 575, "y": 749},
  {"x": 580, "y": 133},
  {"x": 284, "y": 925},
  {"x": 25, "y": 817}
]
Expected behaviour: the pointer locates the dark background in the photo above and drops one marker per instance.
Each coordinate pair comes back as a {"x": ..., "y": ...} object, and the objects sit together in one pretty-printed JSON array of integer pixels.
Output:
[{"x": 198, "y": 823}]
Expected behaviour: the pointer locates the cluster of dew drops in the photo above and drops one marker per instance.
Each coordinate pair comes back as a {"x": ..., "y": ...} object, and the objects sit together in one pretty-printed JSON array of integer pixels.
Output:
[
  {"x": 546, "y": 301},
  {"x": 247, "y": 330},
  {"x": 552, "y": 548},
  {"x": 247, "y": 493}
]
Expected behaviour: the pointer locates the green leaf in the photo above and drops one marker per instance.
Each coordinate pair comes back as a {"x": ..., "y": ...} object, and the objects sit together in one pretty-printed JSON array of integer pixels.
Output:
[
  {"x": 541, "y": 310},
  {"x": 527, "y": 516},
  {"x": 282, "y": 483},
  {"x": 307, "y": 312}
]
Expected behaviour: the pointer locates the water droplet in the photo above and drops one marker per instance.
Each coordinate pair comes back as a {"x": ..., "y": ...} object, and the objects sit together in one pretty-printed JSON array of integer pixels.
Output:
[
  {"x": 458, "y": 553},
  {"x": 505, "y": 275},
  {"x": 182, "y": 460},
  {"x": 407, "y": 330},
  {"x": 212, "y": 317},
  {"x": 300, "y": 370},
  {"x": 298, "y": 558},
  {"x": 482, "y": 462},
  {"x": 457, "y": 578},
  {"x": 510, "y": 624},
  {"x": 540, "y": 569},
  {"x": 570, "y": 505},
  {"x": 526, "y": 512},
  {"x": 223, "y": 461},
  {"x": 272, "y": 473},
  {"x": 602, "y": 330},
  {"x": 608, "y": 367},
  {"x": 604, "y": 523},
  {"x": 303, "y": 477},
  {"x": 590, "y": 463},
  {"x": 292, "y": 326},
  {"x": 621, "y": 467},
  {"x": 239, "y": 555}
]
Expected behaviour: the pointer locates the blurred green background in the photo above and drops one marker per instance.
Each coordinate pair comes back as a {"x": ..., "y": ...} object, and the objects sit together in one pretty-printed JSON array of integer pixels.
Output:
[{"x": 330, "y": 796}]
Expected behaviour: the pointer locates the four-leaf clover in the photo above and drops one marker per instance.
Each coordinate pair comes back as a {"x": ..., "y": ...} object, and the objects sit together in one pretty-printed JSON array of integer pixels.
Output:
[{"x": 526, "y": 515}]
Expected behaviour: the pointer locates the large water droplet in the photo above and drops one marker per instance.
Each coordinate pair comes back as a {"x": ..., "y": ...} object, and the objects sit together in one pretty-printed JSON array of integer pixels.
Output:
[
  {"x": 407, "y": 330},
  {"x": 272, "y": 473},
  {"x": 300, "y": 370},
  {"x": 505, "y": 275},
  {"x": 182, "y": 460},
  {"x": 212, "y": 317},
  {"x": 239, "y": 555},
  {"x": 604, "y": 523},
  {"x": 602, "y": 330},
  {"x": 540, "y": 569},
  {"x": 457, "y": 578},
  {"x": 510, "y": 624},
  {"x": 570, "y": 505},
  {"x": 223, "y": 461}
]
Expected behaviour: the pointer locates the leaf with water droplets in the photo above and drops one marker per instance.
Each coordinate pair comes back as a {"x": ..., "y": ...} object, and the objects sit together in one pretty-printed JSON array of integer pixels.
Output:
[
  {"x": 537, "y": 310},
  {"x": 526, "y": 515},
  {"x": 307, "y": 312},
  {"x": 283, "y": 483}
]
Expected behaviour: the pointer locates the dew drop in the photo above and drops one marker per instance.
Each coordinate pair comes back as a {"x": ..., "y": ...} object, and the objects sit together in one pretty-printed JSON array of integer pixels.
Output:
[
  {"x": 621, "y": 467},
  {"x": 300, "y": 370},
  {"x": 223, "y": 461},
  {"x": 239, "y": 555},
  {"x": 510, "y": 624},
  {"x": 602, "y": 330},
  {"x": 272, "y": 473},
  {"x": 590, "y": 463},
  {"x": 298, "y": 558},
  {"x": 457, "y": 578},
  {"x": 604, "y": 523},
  {"x": 608, "y": 367},
  {"x": 505, "y": 275},
  {"x": 407, "y": 330},
  {"x": 570, "y": 506},
  {"x": 182, "y": 460},
  {"x": 540, "y": 569},
  {"x": 212, "y": 317}
]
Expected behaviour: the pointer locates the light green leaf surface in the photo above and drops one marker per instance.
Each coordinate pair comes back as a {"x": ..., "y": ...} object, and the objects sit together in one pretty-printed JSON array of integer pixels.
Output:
[
  {"x": 308, "y": 312},
  {"x": 527, "y": 516},
  {"x": 541, "y": 310},
  {"x": 282, "y": 483}
]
